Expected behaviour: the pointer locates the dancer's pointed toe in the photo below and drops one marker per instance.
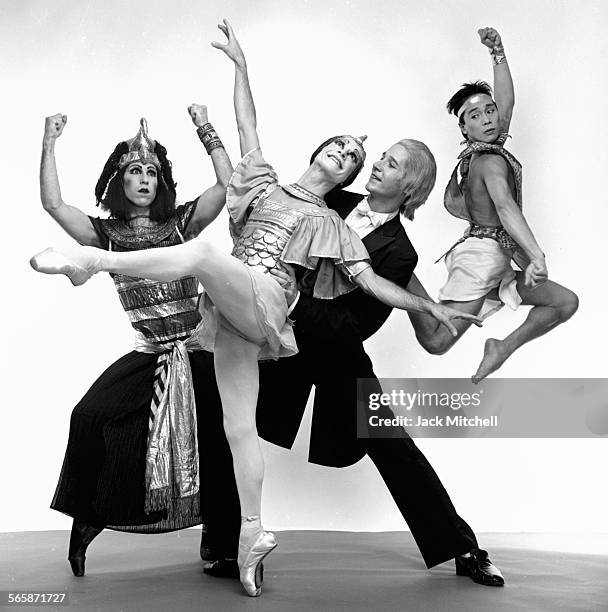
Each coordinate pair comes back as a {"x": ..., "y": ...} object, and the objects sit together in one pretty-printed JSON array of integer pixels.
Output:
[
  {"x": 77, "y": 264},
  {"x": 251, "y": 570},
  {"x": 77, "y": 565},
  {"x": 81, "y": 536},
  {"x": 494, "y": 355}
]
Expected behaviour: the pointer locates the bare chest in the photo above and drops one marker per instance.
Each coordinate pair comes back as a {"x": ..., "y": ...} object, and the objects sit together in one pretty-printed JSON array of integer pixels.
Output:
[{"x": 478, "y": 200}]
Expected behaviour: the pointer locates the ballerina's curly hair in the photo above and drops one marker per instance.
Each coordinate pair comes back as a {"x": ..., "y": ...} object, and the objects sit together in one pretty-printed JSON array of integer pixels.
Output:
[{"x": 110, "y": 193}]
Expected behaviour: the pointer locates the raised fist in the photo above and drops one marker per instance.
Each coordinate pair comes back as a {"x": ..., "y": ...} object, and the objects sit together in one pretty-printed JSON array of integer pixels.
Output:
[
  {"x": 198, "y": 113},
  {"x": 53, "y": 126},
  {"x": 489, "y": 37}
]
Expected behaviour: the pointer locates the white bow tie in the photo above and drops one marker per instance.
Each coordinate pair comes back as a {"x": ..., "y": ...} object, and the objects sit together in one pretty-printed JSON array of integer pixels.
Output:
[{"x": 375, "y": 218}]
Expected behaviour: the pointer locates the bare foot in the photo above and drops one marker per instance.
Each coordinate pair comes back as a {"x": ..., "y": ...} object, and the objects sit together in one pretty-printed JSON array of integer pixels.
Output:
[{"x": 494, "y": 355}]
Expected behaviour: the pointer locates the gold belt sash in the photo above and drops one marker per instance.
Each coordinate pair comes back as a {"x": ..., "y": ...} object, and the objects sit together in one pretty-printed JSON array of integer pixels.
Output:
[{"x": 172, "y": 465}]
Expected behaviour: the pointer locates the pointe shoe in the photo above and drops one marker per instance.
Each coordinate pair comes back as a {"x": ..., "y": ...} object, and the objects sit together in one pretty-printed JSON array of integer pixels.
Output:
[
  {"x": 251, "y": 570},
  {"x": 81, "y": 536},
  {"x": 78, "y": 264}
]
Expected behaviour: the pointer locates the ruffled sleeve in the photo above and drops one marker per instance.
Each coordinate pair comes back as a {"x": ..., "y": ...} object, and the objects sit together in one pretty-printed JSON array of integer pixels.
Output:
[
  {"x": 323, "y": 242},
  {"x": 251, "y": 179}
]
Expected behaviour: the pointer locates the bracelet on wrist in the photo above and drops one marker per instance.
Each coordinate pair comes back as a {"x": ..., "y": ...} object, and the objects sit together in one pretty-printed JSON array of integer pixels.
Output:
[
  {"x": 208, "y": 136},
  {"x": 498, "y": 55}
]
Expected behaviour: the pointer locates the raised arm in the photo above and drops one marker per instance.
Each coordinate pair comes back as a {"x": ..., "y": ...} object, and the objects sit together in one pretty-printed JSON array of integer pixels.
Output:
[
  {"x": 243, "y": 100},
  {"x": 391, "y": 294},
  {"x": 494, "y": 171},
  {"x": 504, "y": 94},
  {"x": 212, "y": 200},
  {"x": 76, "y": 223}
]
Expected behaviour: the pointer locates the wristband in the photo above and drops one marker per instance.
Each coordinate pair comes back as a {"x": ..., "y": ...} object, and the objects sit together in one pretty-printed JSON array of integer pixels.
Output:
[
  {"x": 208, "y": 136},
  {"x": 498, "y": 55}
]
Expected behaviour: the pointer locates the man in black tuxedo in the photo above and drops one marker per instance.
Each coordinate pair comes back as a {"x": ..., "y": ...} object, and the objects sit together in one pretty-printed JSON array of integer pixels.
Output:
[{"x": 330, "y": 335}]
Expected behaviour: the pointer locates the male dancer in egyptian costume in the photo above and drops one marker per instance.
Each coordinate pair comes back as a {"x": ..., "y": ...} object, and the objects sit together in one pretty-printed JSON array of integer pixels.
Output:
[
  {"x": 489, "y": 196},
  {"x": 132, "y": 461}
]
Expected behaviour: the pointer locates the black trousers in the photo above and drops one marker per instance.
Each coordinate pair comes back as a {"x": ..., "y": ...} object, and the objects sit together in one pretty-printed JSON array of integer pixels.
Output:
[{"x": 440, "y": 533}]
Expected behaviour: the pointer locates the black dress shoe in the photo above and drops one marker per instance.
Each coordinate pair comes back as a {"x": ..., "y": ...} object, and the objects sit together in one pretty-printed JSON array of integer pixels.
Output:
[
  {"x": 222, "y": 568},
  {"x": 479, "y": 568},
  {"x": 81, "y": 536}
]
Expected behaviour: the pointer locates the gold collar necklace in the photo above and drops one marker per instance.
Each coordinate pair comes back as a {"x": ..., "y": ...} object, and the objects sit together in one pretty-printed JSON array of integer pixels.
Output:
[{"x": 297, "y": 191}]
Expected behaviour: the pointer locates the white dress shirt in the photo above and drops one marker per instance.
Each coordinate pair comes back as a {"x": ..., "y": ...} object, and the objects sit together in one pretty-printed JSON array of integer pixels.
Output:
[{"x": 363, "y": 220}]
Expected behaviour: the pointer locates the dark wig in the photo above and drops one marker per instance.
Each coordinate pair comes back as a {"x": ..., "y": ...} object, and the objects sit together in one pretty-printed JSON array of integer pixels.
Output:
[
  {"x": 346, "y": 182},
  {"x": 466, "y": 91},
  {"x": 110, "y": 193}
]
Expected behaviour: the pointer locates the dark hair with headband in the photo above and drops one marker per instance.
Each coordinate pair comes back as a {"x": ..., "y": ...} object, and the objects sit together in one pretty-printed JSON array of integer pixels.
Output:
[
  {"x": 110, "y": 192},
  {"x": 464, "y": 93},
  {"x": 353, "y": 175}
]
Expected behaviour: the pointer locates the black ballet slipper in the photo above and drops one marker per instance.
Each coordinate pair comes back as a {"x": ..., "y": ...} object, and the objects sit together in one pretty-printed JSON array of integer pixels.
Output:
[{"x": 81, "y": 536}]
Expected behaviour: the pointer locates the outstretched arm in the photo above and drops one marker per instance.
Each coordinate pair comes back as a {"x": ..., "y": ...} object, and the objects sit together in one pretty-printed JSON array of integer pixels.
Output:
[
  {"x": 212, "y": 200},
  {"x": 332, "y": 318},
  {"x": 353, "y": 316},
  {"x": 391, "y": 294},
  {"x": 495, "y": 176},
  {"x": 425, "y": 326},
  {"x": 243, "y": 100},
  {"x": 76, "y": 223},
  {"x": 504, "y": 94}
]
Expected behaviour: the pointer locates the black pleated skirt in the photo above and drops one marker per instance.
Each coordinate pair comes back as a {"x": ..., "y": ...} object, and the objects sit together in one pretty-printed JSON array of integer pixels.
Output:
[{"x": 102, "y": 479}]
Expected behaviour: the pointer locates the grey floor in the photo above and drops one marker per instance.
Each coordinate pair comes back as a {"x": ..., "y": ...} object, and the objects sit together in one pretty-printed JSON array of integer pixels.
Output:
[{"x": 311, "y": 570}]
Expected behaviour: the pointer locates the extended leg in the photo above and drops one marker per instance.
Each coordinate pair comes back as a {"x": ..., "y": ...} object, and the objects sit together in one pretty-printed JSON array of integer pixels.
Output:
[
  {"x": 552, "y": 305},
  {"x": 441, "y": 534},
  {"x": 225, "y": 278}
]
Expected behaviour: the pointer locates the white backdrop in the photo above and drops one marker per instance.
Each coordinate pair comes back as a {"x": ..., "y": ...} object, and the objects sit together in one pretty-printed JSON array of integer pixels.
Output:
[{"x": 385, "y": 69}]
